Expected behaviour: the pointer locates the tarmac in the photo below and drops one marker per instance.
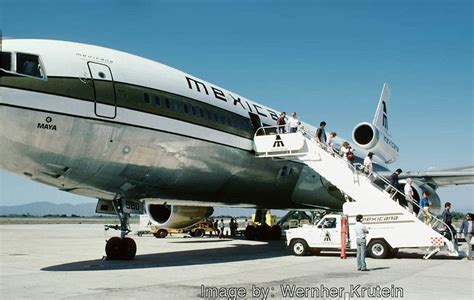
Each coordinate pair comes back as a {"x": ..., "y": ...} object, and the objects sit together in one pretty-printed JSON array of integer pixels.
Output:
[{"x": 67, "y": 261}]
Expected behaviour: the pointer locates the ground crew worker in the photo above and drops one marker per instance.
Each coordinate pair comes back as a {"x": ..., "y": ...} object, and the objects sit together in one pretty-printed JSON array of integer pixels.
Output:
[{"x": 361, "y": 231}]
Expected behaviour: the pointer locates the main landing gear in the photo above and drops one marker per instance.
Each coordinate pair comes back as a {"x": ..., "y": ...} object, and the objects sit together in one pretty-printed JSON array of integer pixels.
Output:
[
  {"x": 260, "y": 230},
  {"x": 123, "y": 247}
]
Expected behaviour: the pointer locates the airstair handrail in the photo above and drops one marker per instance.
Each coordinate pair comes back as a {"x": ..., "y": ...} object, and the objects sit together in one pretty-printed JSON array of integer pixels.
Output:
[
  {"x": 265, "y": 130},
  {"x": 311, "y": 136},
  {"x": 437, "y": 220}
]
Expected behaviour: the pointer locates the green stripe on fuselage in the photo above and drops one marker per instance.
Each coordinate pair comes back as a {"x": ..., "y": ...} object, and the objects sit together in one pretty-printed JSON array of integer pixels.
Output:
[{"x": 134, "y": 97}]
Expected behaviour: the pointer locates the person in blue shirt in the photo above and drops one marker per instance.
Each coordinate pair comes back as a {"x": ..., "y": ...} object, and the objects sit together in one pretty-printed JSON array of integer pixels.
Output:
[{"x": 425, "y": 208}]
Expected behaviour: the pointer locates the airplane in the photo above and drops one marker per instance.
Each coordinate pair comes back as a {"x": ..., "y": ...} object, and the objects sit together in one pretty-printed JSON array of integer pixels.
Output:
[{"x": 141, "y": 136}]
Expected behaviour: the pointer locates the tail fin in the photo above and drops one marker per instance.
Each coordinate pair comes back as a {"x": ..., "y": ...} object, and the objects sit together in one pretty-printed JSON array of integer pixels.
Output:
[{"x": 381, "y": 115}]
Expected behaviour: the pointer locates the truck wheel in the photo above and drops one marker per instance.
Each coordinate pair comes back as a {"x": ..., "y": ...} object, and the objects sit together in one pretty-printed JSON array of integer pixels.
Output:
[
  {"x": 299, "y": 247},
  {"x": 378, "y": 249},
  {"x": 160, "y": 234},
  {"x": 199, "y": 233}
]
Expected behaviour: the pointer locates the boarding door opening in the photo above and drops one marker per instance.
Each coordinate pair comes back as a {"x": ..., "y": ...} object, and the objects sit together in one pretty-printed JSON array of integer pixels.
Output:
[
  {"x": 256, "y": 122},
  {"x": 104, "y": 90}
]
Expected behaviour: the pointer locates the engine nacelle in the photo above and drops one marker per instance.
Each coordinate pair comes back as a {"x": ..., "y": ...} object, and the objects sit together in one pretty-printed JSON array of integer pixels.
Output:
[
  {"x": 419, "y": 188},
  {"x": 177, "y": 217},
  {"x": 368, "y": 137}
]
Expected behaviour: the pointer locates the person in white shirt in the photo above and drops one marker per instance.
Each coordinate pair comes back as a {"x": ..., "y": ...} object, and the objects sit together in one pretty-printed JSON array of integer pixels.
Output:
[
  {"x": 330, "y": 142},
  {"x": 368, "y": 166},
  {"x": 293, "y": 123},
  {"x": 368, "y": 163},
  {"x": 408, "y": 190},
  {"x": 360, "y": 232},
  {"x": 345, "y": 149},
  {"x": 221, "y": 228}
]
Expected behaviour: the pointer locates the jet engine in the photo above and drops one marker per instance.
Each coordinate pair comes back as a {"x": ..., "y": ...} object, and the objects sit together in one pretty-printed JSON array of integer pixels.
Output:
[
  {"x": 418, "y": 189},
  {"x": 173, "y": 216},
  {"x": 368, "y": 137}
]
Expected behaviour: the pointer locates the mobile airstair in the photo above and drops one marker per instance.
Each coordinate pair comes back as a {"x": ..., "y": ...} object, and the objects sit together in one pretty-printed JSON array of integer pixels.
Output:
[{"x": 403, "y": 228}]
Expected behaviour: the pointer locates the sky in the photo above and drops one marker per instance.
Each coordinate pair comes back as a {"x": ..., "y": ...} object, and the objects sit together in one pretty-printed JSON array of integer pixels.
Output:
[{"x": 327, "y": 60}]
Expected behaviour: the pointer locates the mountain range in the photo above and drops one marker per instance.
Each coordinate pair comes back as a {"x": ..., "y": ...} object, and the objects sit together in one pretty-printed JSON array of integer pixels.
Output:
[{"x": 48, "y": 208}]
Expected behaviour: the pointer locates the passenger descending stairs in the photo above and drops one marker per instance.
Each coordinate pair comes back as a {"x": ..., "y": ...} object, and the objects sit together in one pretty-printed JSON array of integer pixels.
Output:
[{"x": 369, "y": 198}]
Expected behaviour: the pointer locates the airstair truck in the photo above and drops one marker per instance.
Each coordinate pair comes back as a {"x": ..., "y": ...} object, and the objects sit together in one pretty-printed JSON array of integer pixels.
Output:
[{"x": 391, "y": 225}]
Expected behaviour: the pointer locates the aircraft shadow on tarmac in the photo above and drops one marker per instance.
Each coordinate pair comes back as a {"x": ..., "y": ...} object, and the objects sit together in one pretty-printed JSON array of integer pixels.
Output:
[
  {"x": 237, "y": 252},
  {"x": 196, "y": 241}
]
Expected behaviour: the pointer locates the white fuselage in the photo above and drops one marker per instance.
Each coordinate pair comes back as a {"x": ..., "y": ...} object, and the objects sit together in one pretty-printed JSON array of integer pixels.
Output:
[{"x": 100, "y": 122}]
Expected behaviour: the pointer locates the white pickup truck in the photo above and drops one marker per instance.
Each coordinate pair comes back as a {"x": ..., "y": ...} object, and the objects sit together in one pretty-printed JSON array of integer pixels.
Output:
[
  {"x": 326, "y": 235},
  {"x": 388, "y": 231}
]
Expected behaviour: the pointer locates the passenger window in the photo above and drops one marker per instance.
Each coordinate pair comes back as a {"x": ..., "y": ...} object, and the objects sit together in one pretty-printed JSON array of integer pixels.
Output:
[
  {"x": 146, "y": 97},
  {"x": 223, "y": 120},
  {"x": 194, "y": 110},
  {"x": 176, "y": 105},
  {"x": 167, "y": 103},
  {"x": 229, "y": 122},
  {"x": 157, "y": 101},
  {"x": 186, "y": 109},
  {"x": 28, "y": 64},
  {"x": 202, "y": 113},
  {"x": 6, "y": 63}
]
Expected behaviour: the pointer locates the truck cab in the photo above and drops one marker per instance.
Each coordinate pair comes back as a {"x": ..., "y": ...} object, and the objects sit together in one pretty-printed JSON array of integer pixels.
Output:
[{"x": 326, "y": 234}]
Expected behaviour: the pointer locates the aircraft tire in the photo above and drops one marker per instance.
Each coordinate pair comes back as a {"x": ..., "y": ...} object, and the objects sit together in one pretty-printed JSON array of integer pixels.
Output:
[
  {"x": 112, "y": 248},
  {"x": 128, "y": 249},
  {"x": 160, "y": 234},
  {"x": 250, "y": 232},
  {"x": 199, "y": 233}
]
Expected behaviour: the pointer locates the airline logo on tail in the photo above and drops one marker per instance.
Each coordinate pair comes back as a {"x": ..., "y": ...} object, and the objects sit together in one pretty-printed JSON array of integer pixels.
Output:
[{"x": 381, "y": 115}]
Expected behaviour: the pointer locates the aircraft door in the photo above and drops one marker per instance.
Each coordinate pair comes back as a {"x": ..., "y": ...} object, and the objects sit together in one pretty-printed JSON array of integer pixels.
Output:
[
  {"x": 104, "y": 90},
  {"x": 256, "y": 122}
]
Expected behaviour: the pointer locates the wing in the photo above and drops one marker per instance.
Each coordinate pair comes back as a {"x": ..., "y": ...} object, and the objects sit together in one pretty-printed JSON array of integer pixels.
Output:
[{"x": 444, "y": 177}]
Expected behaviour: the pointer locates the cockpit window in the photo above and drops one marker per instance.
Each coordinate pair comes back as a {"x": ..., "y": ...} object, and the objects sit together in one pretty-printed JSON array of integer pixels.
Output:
[
  {"x": 6, "y": 63},
  {"x": 28, "y": 64}
]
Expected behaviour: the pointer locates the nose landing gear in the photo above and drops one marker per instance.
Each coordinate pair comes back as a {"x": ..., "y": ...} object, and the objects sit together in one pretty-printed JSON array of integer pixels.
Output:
[{"x": 123, "y": 247}]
